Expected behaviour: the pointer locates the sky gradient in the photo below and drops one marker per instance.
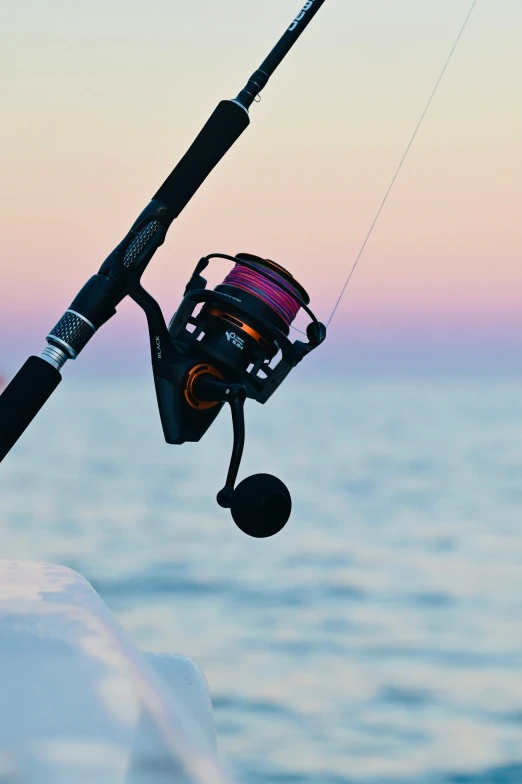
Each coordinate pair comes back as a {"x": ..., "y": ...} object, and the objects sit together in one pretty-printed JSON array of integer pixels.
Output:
[{"x": 101, "y": 99}]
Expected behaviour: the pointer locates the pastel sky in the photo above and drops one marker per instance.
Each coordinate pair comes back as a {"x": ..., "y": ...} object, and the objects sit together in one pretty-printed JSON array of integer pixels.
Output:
[{"x": 100, "y": 98}]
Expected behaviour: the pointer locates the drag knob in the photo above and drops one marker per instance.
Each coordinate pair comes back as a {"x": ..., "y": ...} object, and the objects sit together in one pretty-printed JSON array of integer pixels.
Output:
[{"x": 261, "y": 506}]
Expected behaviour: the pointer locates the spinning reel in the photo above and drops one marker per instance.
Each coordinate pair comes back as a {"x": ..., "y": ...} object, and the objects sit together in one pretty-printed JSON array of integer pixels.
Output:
[{"x": 236, "y": 347}]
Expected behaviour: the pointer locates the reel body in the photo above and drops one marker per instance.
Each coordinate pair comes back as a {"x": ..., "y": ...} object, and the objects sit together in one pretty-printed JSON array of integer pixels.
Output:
[{"x": 235, "y": 347}]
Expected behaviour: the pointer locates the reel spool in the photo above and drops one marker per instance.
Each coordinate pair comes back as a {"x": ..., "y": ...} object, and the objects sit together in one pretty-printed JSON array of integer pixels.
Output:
[{"x": 236, "y": 346}]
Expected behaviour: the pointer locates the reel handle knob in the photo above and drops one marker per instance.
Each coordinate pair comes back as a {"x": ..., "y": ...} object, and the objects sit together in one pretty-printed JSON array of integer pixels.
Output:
[{"x": 261, "y": 506}]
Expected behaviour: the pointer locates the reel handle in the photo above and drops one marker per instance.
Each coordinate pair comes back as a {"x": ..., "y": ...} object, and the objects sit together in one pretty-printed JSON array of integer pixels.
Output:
[
  {"x": 261, "y": 504},
  {"x": 209, "y": 388}
]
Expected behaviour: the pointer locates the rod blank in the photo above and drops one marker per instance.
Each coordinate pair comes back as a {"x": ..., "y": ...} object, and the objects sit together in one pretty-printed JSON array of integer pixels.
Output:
[{"x": 23, "y": 398}]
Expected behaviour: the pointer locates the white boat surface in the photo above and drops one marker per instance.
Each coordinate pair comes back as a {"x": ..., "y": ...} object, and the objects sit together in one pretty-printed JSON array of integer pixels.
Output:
[{"x": 80, "y": 704}]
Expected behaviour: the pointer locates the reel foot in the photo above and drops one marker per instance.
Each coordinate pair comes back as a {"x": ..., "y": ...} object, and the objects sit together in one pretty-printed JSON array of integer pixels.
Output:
[{"x": 261, "y": 506}]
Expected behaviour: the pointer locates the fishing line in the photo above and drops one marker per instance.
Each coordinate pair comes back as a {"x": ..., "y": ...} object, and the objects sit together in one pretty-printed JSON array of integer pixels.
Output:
[
  {"x": 403, "y": 159},
  {"x": 283, "y": 299}
]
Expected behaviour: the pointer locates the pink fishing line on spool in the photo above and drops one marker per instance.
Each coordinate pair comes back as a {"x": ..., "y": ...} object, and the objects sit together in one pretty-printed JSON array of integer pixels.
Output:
[{"x": 274, "y": 292}]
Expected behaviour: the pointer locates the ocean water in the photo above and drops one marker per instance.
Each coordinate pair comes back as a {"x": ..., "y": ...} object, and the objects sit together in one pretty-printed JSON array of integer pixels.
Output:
[{"x": 378, "y": 638}]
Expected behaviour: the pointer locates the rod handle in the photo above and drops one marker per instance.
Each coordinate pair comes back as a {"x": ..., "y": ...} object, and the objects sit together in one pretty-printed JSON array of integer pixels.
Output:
[
  {"x": 23, "y": 398},
  {"x": 222, "y": 130}
]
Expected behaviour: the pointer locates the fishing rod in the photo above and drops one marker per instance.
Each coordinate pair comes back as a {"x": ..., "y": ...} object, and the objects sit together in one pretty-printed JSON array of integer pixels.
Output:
[{"x": 236, "y": 347}]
